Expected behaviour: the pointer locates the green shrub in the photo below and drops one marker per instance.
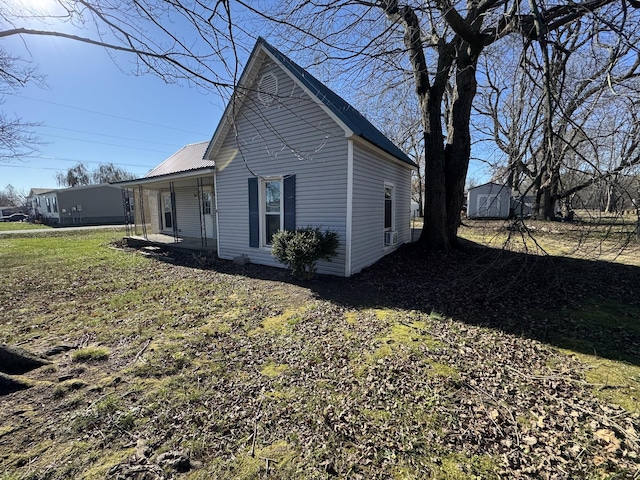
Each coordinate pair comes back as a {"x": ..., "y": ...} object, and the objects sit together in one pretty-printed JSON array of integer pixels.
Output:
[{"x": 301, "y": 249}]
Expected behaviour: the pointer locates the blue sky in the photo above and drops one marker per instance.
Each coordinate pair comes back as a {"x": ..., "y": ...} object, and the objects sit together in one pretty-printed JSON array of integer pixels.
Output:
[{"x": 93, "y": 112}]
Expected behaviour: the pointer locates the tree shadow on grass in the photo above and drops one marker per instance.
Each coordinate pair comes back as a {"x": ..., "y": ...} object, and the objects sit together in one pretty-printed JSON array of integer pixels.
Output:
[{"x": 591, "y": 307}]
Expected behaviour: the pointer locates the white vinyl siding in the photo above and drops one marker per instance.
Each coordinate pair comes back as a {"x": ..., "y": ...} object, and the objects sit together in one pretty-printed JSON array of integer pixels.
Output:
[
  {"x": 291, "y": 136},
  {"x": 370, "y": 173},
  {"x": 187, "y": 212},
  {"x": 151, "y": 211}
]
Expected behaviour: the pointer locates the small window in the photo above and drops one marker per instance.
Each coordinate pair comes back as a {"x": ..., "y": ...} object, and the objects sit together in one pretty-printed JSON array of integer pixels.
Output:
[
  {"x": 48, "y": 205},
  {"x": 168, "y": 211},
  {"x": 272, "y": 207},
  {"x": 55, "y": 205},
  {"x": 206, "y": 203},
  {"x": 388, "y": 208},
  {"x": 272, "y": 204}
]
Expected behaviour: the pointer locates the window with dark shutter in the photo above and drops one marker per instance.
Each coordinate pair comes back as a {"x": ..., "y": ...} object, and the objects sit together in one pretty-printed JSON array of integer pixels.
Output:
[
  {"x": 254, "y": 214},
  {"x": 272, "y": 207}
]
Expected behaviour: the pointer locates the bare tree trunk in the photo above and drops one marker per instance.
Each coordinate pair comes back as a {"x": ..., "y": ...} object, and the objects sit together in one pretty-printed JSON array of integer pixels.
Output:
[
  {"x": 458, "y": 149},
  {"x": 434, "y": 235}
]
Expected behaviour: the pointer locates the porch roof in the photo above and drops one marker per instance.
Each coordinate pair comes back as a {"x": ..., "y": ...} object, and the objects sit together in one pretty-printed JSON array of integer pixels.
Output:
[{"x": 160, "y": 180}]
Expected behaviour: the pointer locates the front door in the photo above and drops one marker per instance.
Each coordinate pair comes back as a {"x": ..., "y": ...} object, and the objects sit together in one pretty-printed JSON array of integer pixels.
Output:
[
  {"x": 168, "y": 214},
  {"x": 208, "y": 212}
]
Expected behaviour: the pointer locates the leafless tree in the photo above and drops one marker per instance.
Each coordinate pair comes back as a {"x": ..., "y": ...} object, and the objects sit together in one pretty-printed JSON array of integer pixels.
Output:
[
  {"x": 108, "y": 172},
  {"x": 75, "y": 176},
  {"x": 80, "y": 175},
  {"x": 11, "y": 197},
  {"x": 563, "y": 119},
  {"x": 16, "y": 135},
  {"x": 438, "y": 43}
]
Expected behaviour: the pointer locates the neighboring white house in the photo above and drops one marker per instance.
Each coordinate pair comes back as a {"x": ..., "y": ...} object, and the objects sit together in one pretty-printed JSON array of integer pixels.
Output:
[
  {"x": 287, "y": 153},
  {"x": 490, "y": 200},
  {"x": 87, "y": 205}
]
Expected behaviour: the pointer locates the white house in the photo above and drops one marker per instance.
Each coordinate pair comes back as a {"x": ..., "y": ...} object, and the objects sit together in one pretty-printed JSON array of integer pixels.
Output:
[{"x": 287, "y": 153}]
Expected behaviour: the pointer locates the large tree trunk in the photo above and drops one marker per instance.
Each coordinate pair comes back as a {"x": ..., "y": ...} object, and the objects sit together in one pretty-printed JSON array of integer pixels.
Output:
[
  {"x": 434, "y": 233},
  {"x": 458, "y": 149}
]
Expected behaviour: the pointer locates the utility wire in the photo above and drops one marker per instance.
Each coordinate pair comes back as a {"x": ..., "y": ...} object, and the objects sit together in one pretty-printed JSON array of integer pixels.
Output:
[{"x": 110, "y": 115}]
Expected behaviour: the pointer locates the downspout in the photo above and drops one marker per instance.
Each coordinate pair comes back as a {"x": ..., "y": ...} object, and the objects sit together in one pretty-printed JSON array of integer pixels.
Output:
[
  {"x": 349, "y": 225},
  {"x": 215, "y": 199}
]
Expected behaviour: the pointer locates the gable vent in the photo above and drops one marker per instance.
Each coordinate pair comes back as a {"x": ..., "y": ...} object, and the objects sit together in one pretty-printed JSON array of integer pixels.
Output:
[{"x": 268, "y": 88}]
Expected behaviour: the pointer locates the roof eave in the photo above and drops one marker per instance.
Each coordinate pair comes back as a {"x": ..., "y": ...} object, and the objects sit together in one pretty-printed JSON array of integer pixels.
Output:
[
  {"x": 169, "y": 177},
  {"x": 382, "y": 152}
]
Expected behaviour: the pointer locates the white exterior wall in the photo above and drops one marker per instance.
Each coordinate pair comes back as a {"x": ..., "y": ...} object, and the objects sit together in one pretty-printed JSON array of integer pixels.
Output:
[
  {"x": 370, "y": 174},
  {"x": 152, "y": 208},
  {"x": 42, "y": 209},
  {"x": 293, "y": 135},
  {"x": 187, "y": 212}
]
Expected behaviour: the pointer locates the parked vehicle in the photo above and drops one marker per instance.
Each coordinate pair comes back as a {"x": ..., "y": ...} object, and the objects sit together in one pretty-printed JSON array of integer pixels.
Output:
[{"x": 16, "y": 217}]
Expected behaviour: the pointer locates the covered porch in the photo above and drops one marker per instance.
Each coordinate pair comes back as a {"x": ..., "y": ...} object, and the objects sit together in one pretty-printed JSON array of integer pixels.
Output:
[{"x": 176, "y": 211}]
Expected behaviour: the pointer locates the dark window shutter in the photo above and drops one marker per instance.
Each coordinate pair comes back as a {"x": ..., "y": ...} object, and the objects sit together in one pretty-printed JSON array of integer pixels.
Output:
[
  {"x": 290, "y": 202},
  {"x": 254, "y": 213}
]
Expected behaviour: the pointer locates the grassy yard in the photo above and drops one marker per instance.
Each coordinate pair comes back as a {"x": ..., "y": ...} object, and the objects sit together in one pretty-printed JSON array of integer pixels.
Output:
[
  {"x": 7, "y": 226},
  {"x": 486, "y": 364}
]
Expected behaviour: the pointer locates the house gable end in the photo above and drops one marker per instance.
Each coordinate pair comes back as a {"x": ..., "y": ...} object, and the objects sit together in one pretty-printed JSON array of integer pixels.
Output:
[{"x": 341, "y": 112}]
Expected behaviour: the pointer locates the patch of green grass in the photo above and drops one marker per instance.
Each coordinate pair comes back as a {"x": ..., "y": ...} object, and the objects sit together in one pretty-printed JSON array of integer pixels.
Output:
[
  {"x": 63, "y": 388},
  {"x": 607, "y": 313},
  {"x": 273, "y": 370},
  {"x": 613, "y": 381},
  {"x": 90, "y": 354},
  {"x": 11, "y": 226},
  {"x": 280, "y": 324},
  {"x": 105, "y": 462},
  {"x": 442, "y": 370}
]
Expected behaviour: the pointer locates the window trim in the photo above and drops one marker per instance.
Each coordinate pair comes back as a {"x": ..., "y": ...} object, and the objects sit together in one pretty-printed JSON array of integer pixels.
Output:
[
  {"x": 207, "y": 202},
  {"x": 392, "y": 187},
  {"x": 262, "y": 206},
  {"x": 288, "y": 207}
]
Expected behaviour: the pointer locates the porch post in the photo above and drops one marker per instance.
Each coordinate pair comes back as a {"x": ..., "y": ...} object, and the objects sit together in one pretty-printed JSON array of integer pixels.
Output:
[
  {"x": 203, "y": 224},
  {"x": 143, "y": 221},
  {"x": 173, "y": 212}
]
